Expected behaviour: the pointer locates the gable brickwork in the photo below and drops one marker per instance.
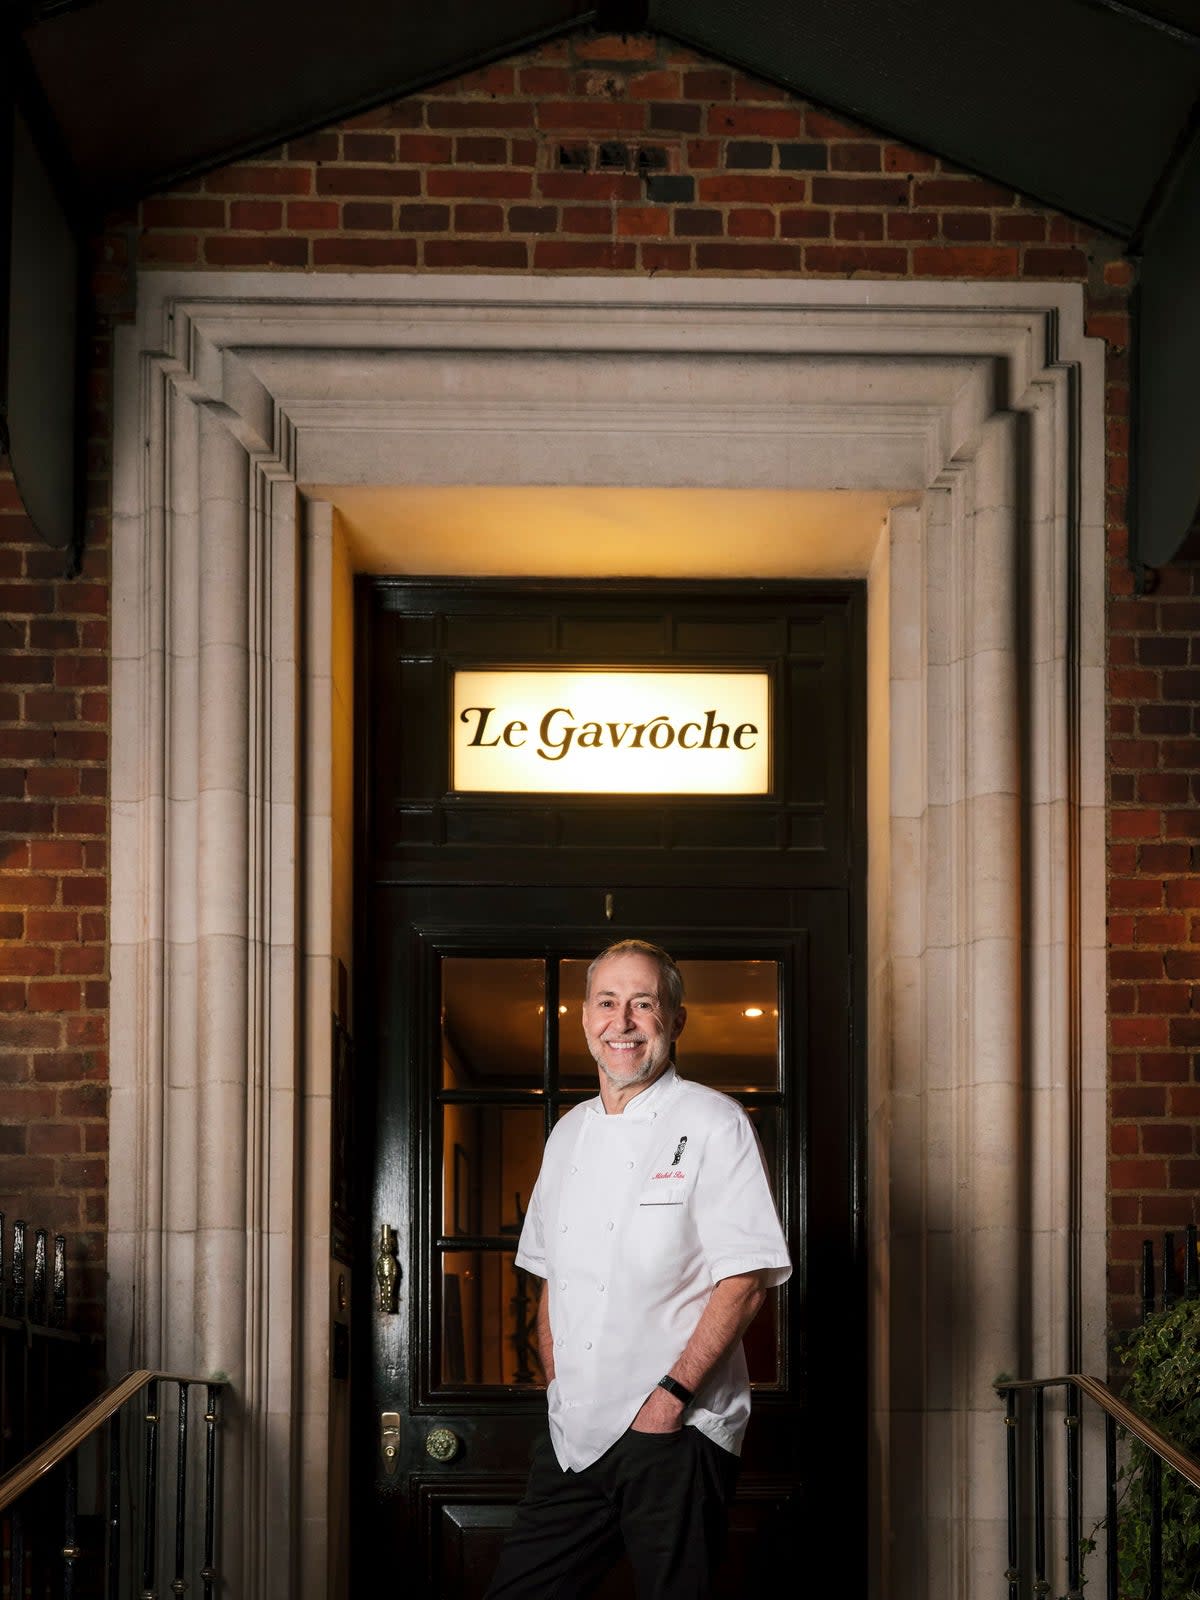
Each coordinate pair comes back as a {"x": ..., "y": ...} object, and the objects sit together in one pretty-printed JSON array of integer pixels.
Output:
[{"x": 591, "y": 155}]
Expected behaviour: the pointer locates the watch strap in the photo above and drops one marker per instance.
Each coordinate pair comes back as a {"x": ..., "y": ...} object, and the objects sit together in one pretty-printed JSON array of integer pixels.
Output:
[{"x": 673, "y": 1386}]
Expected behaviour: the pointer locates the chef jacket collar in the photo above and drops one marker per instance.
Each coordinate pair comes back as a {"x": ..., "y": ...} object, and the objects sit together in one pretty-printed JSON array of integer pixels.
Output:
[{"x": 643, "y": 1107}]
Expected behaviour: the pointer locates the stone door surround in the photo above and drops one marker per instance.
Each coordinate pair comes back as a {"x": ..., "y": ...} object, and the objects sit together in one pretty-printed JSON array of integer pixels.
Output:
[{"x": 986, "y": 1078}]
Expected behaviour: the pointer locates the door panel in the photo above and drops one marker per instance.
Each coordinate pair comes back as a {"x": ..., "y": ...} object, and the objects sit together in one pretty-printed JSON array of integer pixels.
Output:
[
  {"x": 479, "y": 1049},
  {"x": 807, "y": 638}
]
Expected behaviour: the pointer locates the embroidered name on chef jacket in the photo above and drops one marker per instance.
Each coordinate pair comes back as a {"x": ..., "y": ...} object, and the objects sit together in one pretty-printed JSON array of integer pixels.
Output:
[{"x": 667, "y": 1184}]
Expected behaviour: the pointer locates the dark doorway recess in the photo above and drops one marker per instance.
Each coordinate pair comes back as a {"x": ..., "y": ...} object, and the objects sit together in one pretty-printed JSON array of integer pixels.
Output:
[{"x": 475, "y": 917}]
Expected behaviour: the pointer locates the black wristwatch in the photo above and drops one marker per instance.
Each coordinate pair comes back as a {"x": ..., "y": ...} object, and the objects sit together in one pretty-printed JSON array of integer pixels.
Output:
[{"x": 673, "y": 1386}]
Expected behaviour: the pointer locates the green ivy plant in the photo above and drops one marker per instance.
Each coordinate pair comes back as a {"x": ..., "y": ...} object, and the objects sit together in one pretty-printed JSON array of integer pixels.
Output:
[{"x": 1162, "y": 1359}]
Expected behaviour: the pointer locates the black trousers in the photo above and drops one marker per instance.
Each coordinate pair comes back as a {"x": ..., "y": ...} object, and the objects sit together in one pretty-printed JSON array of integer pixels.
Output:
[{"x": 662, "y": 1497}]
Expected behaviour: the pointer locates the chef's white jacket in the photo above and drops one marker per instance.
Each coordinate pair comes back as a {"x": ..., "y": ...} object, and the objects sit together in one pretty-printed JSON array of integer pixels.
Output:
[{"x": 632, "y": 1221}]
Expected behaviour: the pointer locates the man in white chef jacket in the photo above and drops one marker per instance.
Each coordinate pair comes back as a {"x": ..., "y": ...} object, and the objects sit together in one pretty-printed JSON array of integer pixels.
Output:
[{"x": 653, "y": 1225}]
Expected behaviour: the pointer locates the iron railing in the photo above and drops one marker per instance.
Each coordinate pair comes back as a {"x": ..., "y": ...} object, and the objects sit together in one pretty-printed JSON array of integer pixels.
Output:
[
  {"x": 1027, "y": 1500},
  {"x": 47, "y": 1368},
  {"x": 71, "y": 1520},
  {"x": 1117, "y": 1416}
]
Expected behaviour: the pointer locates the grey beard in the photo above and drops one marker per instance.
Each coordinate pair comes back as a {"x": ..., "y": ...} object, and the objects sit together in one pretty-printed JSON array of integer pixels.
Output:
[
  {"x": 648, "y": 1069},
  {"x": 640, "y": 1076}
]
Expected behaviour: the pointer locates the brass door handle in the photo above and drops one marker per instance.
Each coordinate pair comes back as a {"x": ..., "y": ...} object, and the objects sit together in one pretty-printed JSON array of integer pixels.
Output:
[{"x": 387, "y": 1271}]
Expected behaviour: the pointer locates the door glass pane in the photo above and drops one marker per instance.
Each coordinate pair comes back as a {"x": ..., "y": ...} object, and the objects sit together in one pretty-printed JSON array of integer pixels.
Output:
[
  {"x": 493, "y": 1028},
  {"x": 766, "y": 1125},
  {"x": 730, "y": 1041},
  {"x": 490, "y": 1160},
  {"x": 576, "y": 1069},
  {"x": 493, "y": 1010},
  {"x": 762, "y": 1340},
  {"x": 489, "y": 1310}
]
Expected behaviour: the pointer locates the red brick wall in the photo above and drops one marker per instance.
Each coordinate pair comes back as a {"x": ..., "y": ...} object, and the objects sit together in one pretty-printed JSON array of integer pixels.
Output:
[
  {"x": 633, "y": 156},
  {"x": 604, "y": 154},
  {"x": 53, "y": 893},
  {"x": 1154, "y": 904}
]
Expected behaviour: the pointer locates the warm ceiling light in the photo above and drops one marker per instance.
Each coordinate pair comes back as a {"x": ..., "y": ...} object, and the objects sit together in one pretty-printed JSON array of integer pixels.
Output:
[
  {"x": 753, "y": 1011},
  {"x": 562, "y": 1011}
]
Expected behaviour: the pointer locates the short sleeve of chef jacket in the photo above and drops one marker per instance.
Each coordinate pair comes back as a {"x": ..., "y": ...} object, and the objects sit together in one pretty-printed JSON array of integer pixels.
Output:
[
  {"x": 732, "y": 1207},
  {"x": 531, "y": 1247}
]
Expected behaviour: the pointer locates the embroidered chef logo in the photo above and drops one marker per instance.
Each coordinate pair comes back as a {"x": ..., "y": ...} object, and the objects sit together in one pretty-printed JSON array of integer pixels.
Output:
[{"x": 672, "y": 1168}]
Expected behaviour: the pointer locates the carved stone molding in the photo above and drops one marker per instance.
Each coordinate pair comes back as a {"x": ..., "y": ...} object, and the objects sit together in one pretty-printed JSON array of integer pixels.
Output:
[{"x": 239, "y": 396}]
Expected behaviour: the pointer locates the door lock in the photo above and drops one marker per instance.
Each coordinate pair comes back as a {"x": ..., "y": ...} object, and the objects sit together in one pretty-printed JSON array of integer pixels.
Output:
[{"x": 389, "y": 1441}]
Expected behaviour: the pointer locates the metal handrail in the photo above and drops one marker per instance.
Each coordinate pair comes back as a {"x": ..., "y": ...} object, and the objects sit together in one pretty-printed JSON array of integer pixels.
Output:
[
  {"x": 1125, "y": 1417},
  {"x": 72, "y": 1434},
  {"x": 1117, "y": 1416}
]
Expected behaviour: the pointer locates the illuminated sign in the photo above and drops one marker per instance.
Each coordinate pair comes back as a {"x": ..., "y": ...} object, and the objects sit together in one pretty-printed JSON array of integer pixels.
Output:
[{"x": 575, "y": 732}]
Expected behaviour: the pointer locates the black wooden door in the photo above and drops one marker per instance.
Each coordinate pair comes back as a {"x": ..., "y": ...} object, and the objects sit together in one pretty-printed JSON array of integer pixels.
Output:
[
  {"x": 480, "y": 1049},
  {"x": 475, "y": 917}
]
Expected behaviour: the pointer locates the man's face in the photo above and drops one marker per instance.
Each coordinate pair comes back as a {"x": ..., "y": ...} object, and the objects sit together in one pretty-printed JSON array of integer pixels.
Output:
[{"x": 626, "y": 1023}]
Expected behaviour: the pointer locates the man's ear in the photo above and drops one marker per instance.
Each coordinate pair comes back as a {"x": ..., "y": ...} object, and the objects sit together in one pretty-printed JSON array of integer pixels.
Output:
[{"x": 677, "y": 1025}]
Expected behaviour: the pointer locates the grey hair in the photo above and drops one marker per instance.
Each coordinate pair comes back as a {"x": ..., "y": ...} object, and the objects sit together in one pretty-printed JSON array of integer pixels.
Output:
[{"x": 670, "y": 979}]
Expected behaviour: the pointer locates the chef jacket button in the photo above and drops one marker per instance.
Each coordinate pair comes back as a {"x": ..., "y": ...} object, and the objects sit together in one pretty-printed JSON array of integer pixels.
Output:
[
  {"x": 562, "y": 1283},
  {"x": 610, "y": 1227},
  {"x": 562, "y": 1227},
  {"x": 574, "y": 1169},
  {"x": 587, "y": 1344},
  {"x": 558, "y": 1344},
  {"x": 629, "y": 1164},
  {"x": 601, "y": 1288}
]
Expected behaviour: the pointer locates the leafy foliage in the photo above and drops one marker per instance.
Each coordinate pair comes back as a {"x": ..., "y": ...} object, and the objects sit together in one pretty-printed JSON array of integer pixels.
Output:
[{"x": 1163, "y": 1362}]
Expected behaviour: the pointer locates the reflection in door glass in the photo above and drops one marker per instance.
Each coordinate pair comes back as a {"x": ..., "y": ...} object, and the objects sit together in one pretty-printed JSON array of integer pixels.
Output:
[
  {"x": 762, "y": 1341},
  {"x": 492, "y": 1018},
  {"x": 490, "y": 1160},
  {"x": 489, "y": 1311},
  {"x": 766, "y": 1125},
  {"x": 730, "y": 1040}
]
